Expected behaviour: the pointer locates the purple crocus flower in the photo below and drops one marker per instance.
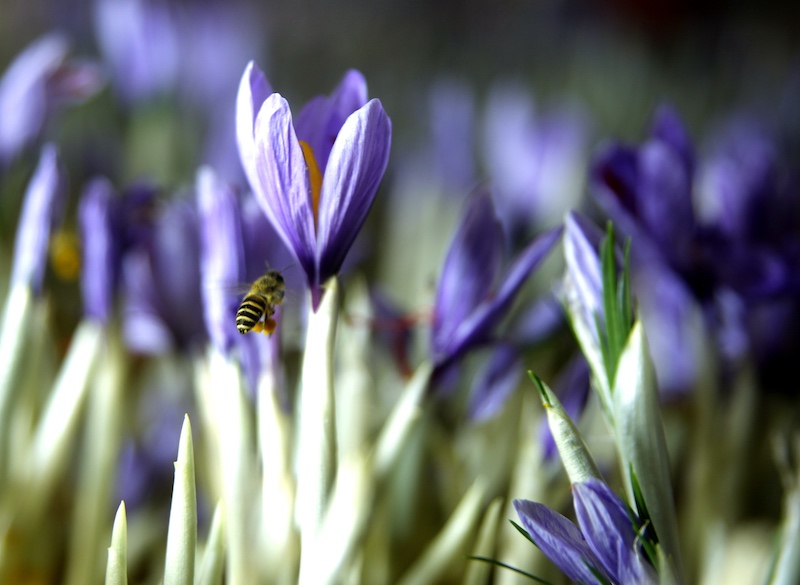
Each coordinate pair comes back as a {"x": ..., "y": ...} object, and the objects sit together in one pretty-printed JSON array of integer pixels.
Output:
[
  {"x": 472, "y": 297},
  {"x": 536, "y": 159},
  {"x": 111, "y": 225},
  {"x": 100, "y": 249},
  {"x": 315, "y": 179},
  {"x": 139, "y": 41},
  {"x": 35, "y": 83},
  {"x": 41, "y": 210},
  {"x": 603, "y": 544},
  {"x": 163, "y": 307},
  {"x": 702, "y": 238},
  {"x": 237, "y": 244}
]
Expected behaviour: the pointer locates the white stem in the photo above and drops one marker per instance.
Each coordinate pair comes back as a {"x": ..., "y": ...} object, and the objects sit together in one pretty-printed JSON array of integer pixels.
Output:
[
  {"x": 97, "y": 465},
  {"x": 182, "y": 533},
  {"x": 317, "y": 440},
  {"x": 213, "y": 566},
  {"x": 117, "y": 565}
]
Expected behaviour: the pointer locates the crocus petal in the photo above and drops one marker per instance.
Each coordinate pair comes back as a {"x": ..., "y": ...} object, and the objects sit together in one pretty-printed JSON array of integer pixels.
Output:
[
  {"x": 665, "y": 195},
  {"x": 496, "y": 383},
  {"x": 24, "y": 96},
  {"x": 355, "y": 169},
  {"x": 479, "y": 324},
  {"x": 321, "y": 119},
  {"x": 605, "y": 523},
  {"x": 253, "y": 90},
  {"x": 581, "y": 244},
  {"x": 100, "y": 249},
  {"x": 470, "y": 270},
  {"x": 143, "y": 329},
  {"x": 559, "y": 539},
  {"x": 40, "y": 211},
  {"x": 283, "y": 188},
  {"x": 669, "y": 129},
  {"x": 220, "y": 256}
]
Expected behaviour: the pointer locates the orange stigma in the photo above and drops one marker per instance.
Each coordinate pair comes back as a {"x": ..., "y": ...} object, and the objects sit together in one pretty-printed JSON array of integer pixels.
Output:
[{"x": 314, "y": 178}]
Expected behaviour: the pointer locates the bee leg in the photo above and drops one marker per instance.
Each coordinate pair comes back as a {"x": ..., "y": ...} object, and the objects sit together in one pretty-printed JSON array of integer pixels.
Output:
[
  {"x": 269, "y": 326},
  {"x": 258, "y": 327}
]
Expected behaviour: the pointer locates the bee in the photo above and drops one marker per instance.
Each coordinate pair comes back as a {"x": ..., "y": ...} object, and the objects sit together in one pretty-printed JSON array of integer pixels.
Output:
[{"x": 266, "y": 292}]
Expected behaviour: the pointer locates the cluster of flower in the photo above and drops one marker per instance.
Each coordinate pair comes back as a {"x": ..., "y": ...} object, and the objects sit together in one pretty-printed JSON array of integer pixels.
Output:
[{"x": 358, "y": 441}]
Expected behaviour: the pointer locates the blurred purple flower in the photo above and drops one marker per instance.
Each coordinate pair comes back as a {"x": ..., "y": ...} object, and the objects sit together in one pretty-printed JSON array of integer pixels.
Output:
[
  {"x": 536, "y": 161},
  {"x": 495, "y": 384},
  {"x": 315, "y": 179},
  {"x": 41, "y": 210},
  {"x": 743, "y": 241},
  {"x": 452, "y": 119},
  {"x": 472, "y": 298},
  {"x": 37, "y": 82},
  {"x": 100, "y": 249},
  {"x": 236, "y": 244},
  {"x": 163, "y": 306},
  {"x": 604, "y": 546},
  {"x": 139, "y": 41}
]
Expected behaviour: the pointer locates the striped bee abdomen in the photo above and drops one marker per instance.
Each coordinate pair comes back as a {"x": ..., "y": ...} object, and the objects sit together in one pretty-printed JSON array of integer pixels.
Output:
[{"x": 252, "y": 308}]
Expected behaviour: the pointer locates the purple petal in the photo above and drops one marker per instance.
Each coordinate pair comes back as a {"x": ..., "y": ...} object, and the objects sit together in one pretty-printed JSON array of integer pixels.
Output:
[
  {"x": 143, "y": 328},
  {"x": 581, "y": 243},
  {"x": 25, "y": 95},
  {"x": 221, "y": 254},
  {"x": 665, "y": 195},
  {"x": 254, "y": 89},
  {"x": 350, "y": 95},
  {"x": 608, "y": 530},
  {"x": 670, "y": 318},
  {"x": 321, "y": 119},
  {"x": 355, "y": 169},
  {"x": 615, "y": 184},
  {"x": 283, "y": 188},
  {"x": 537, "y": 321},
  {"x": 100, "y": 249},
  {"x": 452, "y": 115},
  {"x": 140, "y": 42},
  {"x": 478, "y": 325},
  {"x": 559, "y": 539},
  {"x": 41, "y": 209},
  {"x": 496, "y": 383},
  {"x": 470, "y": 270},
  {"x": 668, "y": 128}
]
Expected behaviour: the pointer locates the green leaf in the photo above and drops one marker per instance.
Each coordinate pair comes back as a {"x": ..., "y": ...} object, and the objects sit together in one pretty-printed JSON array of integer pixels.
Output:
[{"x": 510, "y": 568}]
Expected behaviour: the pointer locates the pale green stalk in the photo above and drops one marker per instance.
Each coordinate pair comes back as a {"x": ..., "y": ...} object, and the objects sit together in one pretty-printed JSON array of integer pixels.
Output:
[
  {"x": 56, "y": 430},
  {"x": 529, "y": 480},
  {"x": 117, "y": 564},
  {"x": 316, "y": 463},
  {"x": 182, "y": 533},
  {"x": 213, "y": 565},
  {"x": 238, "y": 468},
  {"x": 641, "y": 442},
  {"x": 477, "y": 571},
  {"x": 13, "y": 339},
  {"x": 354, "y": 382},
  {"x": 279, "y": 555},
  {"x": 404, "y": 417},
  {"x": 577, "y": 460},
  {"x": 786, "y": 569},
  {"x": 97, "y": 465},
  {"x": 447, "y": 550},
  {"x": 345, "y": 521}
]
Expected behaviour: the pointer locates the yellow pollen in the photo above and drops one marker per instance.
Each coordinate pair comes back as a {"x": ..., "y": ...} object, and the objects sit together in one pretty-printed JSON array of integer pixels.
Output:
[
  {"x": 314, "y": 178},
  {"x": 65, "y": 255}
]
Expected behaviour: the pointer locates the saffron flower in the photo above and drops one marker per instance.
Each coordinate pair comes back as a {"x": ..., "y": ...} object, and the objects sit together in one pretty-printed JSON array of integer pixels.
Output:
[
  {"x": 315, "y": 179},
  {"x": 602, "y": 549}
]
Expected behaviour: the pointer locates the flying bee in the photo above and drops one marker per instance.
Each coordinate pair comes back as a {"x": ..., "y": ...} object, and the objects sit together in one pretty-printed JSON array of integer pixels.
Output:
[{"x": 266, "y": 292}]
